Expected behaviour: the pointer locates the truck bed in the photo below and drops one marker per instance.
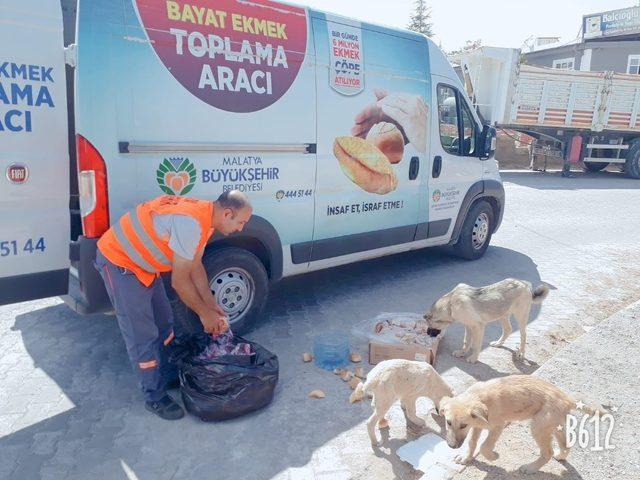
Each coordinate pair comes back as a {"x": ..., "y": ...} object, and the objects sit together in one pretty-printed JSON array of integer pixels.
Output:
[
  {"x": 594, "y": 101},
  {"x": 509, "y": 93}
]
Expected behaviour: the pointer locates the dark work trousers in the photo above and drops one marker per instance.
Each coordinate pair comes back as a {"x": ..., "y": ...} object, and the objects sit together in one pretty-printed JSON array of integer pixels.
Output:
[{"x": 146, "y": 323}]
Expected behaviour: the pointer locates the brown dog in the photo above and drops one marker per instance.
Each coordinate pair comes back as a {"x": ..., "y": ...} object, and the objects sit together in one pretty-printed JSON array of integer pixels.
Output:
[{"x": 494, "y": 404}]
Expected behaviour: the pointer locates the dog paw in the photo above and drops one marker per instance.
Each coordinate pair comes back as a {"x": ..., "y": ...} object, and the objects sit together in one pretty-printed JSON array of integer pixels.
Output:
[
  {"x": 497, "y": 343},
  {"x": 459, "y": 353},
  {"x": 519, "y": 355},
  {"x": 383, "y": 424},
  {"x": 462, "y": 459},
  {"x": 472, "y": 360},
  {"x": 528, "y": 469},
  {"x": 490, "y": 454}
]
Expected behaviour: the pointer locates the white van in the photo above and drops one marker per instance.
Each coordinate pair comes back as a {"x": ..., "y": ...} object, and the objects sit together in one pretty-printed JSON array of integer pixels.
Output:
[{"x": 352, "y": 141}]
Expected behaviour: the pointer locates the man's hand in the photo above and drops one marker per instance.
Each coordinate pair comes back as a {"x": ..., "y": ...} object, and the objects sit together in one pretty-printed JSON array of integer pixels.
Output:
[
  {"x": 213, "y": 318},
  {"x": 214, "y": 323},
  {"x": 219, "y": 310}
]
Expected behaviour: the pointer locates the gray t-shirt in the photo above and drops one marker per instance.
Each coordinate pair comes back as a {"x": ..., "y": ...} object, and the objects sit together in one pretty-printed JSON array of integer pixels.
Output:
[{"x": 181, "y": 231}]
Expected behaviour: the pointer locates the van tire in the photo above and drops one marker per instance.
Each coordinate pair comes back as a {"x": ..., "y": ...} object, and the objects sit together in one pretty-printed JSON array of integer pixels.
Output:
[
  {"x": 237, "y": 272},
  {"x": 476, "y": 232}
]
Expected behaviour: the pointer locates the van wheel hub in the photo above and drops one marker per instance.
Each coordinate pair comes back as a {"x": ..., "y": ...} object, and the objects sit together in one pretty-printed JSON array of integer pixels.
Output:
[
  {"x": 234, "y": 291},
  {"x": 480, "y": 231}
]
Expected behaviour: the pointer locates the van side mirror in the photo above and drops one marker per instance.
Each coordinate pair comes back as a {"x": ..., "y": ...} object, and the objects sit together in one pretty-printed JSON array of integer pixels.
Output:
[{"x": 487, "y": 142}]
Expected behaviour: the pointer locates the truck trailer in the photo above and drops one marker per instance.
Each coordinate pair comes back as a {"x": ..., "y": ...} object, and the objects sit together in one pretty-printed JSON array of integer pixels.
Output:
[{"x": 594, "y": 117}]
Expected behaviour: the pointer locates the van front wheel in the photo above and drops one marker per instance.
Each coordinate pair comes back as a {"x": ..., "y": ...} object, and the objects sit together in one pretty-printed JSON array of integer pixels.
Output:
[
  {"x": 476, "y": 232},
  {"x": 240, "y": 285}
]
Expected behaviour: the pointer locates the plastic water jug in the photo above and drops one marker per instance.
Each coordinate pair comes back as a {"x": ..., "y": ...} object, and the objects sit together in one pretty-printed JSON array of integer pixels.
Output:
[{"x": 331, "y": 350}]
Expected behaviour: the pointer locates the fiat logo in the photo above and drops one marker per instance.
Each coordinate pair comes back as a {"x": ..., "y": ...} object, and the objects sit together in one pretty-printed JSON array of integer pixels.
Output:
[{"x": 17, "y": 173}]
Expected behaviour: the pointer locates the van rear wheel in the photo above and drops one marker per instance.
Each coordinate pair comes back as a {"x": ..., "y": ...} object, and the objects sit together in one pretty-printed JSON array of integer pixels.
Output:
[
  {"x": 240, "y": 285},
  {"x": 476, "y": 232}
]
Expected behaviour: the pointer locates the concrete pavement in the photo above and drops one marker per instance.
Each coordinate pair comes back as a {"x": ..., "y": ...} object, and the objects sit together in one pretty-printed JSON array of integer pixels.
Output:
[
  {"x": 69, "y": 406},
  {"x": 601, "y": 367}
]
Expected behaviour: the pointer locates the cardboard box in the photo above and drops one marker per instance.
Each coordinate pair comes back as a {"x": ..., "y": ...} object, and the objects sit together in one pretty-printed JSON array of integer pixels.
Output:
[{"x": 386, "y": 351}]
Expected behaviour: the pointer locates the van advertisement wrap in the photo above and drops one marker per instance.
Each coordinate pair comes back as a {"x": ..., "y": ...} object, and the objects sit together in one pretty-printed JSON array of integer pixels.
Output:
[
  {"x": 34, "y": 151},
  {"x": 24, "y": 91},
  {"x": 372, "y": 127},
  {"x": 238, "y": 56},
  {"x": 346, "y": 67},
  {"x": 316, "y": 118}
]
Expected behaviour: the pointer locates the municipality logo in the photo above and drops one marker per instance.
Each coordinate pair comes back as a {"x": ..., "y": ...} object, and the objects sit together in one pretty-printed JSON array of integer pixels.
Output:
[
  {"x": 436, "y": 196},
  {"x": 176, "y": 176}
]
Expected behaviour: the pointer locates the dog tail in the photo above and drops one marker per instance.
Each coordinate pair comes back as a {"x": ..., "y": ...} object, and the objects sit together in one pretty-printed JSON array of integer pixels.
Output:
[
  {"x": 539, "y": 294},
  {"x": 589, "y": 408},
  {"x": 358, "y": 393}
]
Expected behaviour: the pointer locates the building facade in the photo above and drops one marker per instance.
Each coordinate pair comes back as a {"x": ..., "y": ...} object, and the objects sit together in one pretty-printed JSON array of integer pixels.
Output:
[{"x": 609, "y": 41}]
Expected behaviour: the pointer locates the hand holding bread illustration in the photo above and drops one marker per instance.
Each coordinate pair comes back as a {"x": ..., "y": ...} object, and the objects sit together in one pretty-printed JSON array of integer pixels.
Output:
[
  {"x": 407, "y": 111},
  {"x": 380, "y": 133}
]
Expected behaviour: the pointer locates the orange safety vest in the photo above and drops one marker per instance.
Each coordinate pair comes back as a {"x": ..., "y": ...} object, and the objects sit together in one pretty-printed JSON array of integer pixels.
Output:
[{"x": 133, "y": 243}]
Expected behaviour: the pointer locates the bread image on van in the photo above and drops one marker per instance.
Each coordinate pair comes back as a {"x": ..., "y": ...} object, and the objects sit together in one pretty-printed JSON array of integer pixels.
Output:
[{"x": 365, "y": 165}]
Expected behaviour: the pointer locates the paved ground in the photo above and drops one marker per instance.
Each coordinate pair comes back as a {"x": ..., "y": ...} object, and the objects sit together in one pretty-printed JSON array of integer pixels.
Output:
[
  {"x": 69, "y": 407},
  {"x": 601, "y": 367}
]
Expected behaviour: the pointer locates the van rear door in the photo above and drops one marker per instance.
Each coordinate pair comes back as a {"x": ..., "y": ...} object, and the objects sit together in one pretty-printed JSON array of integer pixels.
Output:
[{"x": 34, "y": 158}]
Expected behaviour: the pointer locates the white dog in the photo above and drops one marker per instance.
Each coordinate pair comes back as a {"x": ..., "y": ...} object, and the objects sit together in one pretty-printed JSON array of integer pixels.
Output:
[
  {"x": 403, "y": 380},
  {"x": 476, "y": 307}
]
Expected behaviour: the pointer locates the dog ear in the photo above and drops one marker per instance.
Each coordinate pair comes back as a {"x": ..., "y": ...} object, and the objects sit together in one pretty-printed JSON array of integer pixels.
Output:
[
  {"x": 442, "y": 405},
  {"x": 480, "y": 412}
]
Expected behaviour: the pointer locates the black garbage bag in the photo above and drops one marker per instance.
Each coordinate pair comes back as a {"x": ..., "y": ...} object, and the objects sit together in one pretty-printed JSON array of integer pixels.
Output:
[{"x": 227, "y": 386}]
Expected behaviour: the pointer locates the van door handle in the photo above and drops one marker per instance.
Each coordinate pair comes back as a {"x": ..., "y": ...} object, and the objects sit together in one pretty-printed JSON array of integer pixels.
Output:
[
  {"x": 414, "y": 168},
  {"x": 437, "y": 166}
]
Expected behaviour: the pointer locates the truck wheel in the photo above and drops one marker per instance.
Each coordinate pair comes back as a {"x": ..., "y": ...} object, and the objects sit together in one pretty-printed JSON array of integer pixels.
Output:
[
  {"x": 598, "y": 166},
  {"x": 476, "y": 232},
  {"x": 594, "y": 166},
  {"x": 240, "y": 284},
  {"x": 632, "y": 165}
]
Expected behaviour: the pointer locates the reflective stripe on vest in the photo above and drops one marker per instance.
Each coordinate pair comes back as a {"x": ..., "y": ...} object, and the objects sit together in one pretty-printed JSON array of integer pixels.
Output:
[
  {"x": 130, "y": 250},
  {"x": 133, "y": 243},
  {"x": 144, "y": 237}
]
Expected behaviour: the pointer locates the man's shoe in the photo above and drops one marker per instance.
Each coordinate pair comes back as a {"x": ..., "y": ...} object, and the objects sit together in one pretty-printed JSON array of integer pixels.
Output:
[{"x": 165, "y": 408}]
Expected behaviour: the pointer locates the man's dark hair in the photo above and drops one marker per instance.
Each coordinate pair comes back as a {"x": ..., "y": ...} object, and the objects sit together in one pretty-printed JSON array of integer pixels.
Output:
[{"x": 235, "y": 200}]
